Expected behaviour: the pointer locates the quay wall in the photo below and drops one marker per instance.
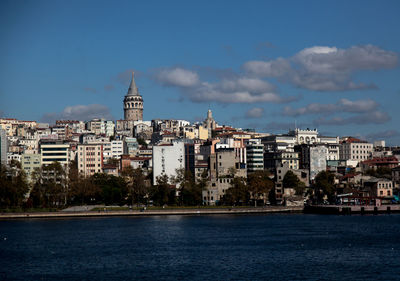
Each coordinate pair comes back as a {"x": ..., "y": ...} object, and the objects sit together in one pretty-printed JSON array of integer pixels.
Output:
[
  {"x": 162, "y": 212},
  {"x": 347, "y": 210}
]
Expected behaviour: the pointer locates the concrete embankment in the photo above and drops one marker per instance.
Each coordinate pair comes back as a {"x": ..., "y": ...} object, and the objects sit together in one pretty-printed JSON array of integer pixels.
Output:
[
  {"x": 348, "y": 210},
  {"x": 161, "y": 212}
]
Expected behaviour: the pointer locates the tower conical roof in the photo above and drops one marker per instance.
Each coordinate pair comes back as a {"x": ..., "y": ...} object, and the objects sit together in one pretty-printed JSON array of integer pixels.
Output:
[{"x": 133, "y": 90}]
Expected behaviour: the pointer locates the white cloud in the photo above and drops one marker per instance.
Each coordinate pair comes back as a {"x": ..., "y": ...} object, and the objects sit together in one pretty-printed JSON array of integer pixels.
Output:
[
  {"x": 323, "y": 68},
  {"x": 177, "y": 77},
  {"x": 274, "y": 68},
  {"x": 79, "y": 112},
  {"x": 256, "y": 112},
  {"x": 234, "y": 92},
  {"x": 235, "y": 89},
  {"x": 343, "y": 105},
  {"x": 375, "y": 117}
]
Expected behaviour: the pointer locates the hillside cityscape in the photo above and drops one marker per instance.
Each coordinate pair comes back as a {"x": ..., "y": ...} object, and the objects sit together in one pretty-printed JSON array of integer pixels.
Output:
[{"x": 174, "y": 162}]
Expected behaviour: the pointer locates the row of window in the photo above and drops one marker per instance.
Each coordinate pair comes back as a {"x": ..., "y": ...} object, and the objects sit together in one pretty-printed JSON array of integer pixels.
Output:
[{"x": 387, "y": 185}]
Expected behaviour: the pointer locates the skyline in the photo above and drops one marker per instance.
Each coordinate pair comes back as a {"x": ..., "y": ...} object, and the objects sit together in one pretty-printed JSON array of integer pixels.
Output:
[{"x": 331, "y": 66}]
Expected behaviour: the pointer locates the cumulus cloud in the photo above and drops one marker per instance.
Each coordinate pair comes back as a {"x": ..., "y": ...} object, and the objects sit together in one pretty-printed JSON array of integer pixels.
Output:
[
  {"x": 256, "y": 112},
  {"x": 234, "y": 92},
  {"x": 383, "y": 135},
  {"x": 274, "y": 68},
  {"x": 343, "y": 105},
  {"x": 375, "y": 117},
  {"x": 323, "y": 68},
  {"x": 79, "y": 112},
  {"x": 177, "y": 77},
  {"x": 228, "y": 90}
]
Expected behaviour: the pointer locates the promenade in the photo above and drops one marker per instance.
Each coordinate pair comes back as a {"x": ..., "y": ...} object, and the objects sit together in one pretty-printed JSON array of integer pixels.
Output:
[{"x": 160, "y": 212}]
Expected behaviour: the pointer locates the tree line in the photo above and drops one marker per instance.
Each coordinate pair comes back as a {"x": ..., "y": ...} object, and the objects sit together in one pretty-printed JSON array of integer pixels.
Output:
[{"x": 52, "y": 186}]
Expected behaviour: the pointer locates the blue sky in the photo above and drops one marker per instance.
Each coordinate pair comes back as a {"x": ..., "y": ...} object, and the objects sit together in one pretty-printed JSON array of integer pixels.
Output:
[{"x": 331, "y": 65}]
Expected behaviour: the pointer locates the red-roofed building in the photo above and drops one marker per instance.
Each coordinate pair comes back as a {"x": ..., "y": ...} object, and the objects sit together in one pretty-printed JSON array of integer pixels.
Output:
[{"x": 374, "y": 163}]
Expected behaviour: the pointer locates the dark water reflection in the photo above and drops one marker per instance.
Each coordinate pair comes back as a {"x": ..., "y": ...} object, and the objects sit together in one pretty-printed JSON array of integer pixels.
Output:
[{"x": 226, "y": 247}]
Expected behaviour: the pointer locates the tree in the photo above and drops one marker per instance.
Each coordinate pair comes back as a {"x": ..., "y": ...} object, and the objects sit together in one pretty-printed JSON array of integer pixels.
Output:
[
  {"x": 290, "y": 180},
  {"x": 238, "y": 194},
  {"x": 113, "y": 189},
  {"x": 135, "y": 180},
  {"x": 259, "y": 184},
  {"x": 13, "y": 185},
  {"x": 141, "y": 142},
  {"x": 49, "y": 186},
  {"x": 161, "y": 194},
  {"x": 190, "y": 194},
  {"x": 324, "y": 185}
]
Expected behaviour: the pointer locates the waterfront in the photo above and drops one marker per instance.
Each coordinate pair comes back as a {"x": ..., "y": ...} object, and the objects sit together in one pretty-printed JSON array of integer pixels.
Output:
[{"x": 218, "y": 247}]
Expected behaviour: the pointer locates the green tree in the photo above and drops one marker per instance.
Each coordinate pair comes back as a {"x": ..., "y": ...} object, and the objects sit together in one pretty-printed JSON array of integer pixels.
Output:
[
  {"x": 291, "y": 180},
  {"x": 141, "y": 142},
  {"x": 161, "y": 193},
  {"x": 135, "y": 180},
  {"x": 189, "y": 193},
  {"x": 49, "y": 186},
  {"x": 238, "y": 193},
  {"x": 259, "y": 184},
  {"x": 113, "y": 189},
  {"x": 13, "y": 185},
  {"x": 324, "y": 186}
]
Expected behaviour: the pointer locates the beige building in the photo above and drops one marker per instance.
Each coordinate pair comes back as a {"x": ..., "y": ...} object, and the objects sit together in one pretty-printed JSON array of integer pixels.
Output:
[
  {"x": 384, "y": 188},
  {"x": 224, "y": 166},
  {"x": 90, "y": 159},
  {"x": 29, "y": 162}
]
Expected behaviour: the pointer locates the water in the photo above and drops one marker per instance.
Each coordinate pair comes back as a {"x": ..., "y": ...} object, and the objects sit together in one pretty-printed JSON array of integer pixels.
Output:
[{"x": 226, "y": 247}]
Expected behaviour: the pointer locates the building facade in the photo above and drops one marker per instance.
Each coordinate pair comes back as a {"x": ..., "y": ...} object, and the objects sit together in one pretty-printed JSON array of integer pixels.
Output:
[
  {"x": 90, "y": 159},
  {"x": 3, "y": 147},
  {"x": 54, "y": 150},
  {"x": 254, "y": 155},
  {"x": 167, "y": 159}
]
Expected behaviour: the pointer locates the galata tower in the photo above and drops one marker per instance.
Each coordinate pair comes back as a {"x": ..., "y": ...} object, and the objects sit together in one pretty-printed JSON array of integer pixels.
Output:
[{"x": 133, "y": 103}]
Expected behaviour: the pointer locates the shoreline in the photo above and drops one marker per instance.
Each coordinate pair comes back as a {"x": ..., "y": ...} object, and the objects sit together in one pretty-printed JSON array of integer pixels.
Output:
[{"x": 167, "y": 212}]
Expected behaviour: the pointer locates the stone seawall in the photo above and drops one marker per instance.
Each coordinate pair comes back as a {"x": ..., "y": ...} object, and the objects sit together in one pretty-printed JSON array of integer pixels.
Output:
[{"x": 163, "y": 212}]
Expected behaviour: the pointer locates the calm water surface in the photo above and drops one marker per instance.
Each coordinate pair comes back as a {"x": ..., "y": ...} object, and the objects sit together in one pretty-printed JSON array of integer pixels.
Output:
[{"x": 226, "y": 247}]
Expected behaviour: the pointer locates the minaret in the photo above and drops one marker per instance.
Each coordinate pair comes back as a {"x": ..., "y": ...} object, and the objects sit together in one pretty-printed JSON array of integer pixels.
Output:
[
  {"x": 210, "y": 123},
  {"x": 133, "y": 103}
]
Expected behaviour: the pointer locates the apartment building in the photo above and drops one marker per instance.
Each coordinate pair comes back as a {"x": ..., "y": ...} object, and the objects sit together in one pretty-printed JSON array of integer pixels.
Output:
[{"x": 90, "y": 159}]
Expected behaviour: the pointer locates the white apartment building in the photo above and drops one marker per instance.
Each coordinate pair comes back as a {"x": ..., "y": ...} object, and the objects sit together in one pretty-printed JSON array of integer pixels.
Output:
[
  {"x": 167, "y": 158},
  {"x": 355, "y": 150},
  {"x": 297, "y": 137},
  {"x": 254, "y": 155},
  {"x": 3, "y": 147},
  {"x": 53, "y": 150},
  {"x": 90, "y": 159},
  {"x": 113, "y": 150},
  {"x": 109, "y": 128}
]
